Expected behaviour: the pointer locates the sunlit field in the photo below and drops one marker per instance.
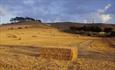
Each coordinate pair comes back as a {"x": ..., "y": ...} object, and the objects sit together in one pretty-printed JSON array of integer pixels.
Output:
[
  {"x": 94, "y": 53},
  {"x": 57, "y": 34},
  {"x": 38, "y": 36}
]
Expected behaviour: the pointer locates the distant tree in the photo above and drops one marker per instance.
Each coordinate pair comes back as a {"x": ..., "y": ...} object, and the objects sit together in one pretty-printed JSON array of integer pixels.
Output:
[
  {"x": 39, "y": 21},
  {"x": 96, "y": 29},
  {"x": 29, "y": 19},
  {"x": 92, "y": 28},
  {"x": 17, "y": 19},
  {"x": 85, "y": 28},
  {"x": 20, "y": 19},
  {"x": 73, "y": 28},
  {"x": 108, "y": 29},
  {"x": 76, "y": 28},
  {"x": 112, "y": 33}
]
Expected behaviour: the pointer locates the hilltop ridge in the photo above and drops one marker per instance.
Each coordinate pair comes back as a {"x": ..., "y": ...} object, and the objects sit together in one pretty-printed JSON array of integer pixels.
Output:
[{"x": 24, "y": 24}]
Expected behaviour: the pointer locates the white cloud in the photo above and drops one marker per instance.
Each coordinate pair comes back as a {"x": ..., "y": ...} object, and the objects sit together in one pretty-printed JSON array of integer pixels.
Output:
[
  {"x": 104, "y": 16},
  {"x": 107, "y": 7},
  {"x": 5, "y": 15},
  {"x": 3, "y": 11},
  {"x": 85, "y": 21},
  {"x": 29, "y": 2}
]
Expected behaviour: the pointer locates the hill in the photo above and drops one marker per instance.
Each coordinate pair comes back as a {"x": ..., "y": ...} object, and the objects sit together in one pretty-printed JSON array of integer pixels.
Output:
[
  {"x": 19, "y": 48},
  {"x": 24, "y": 24},
  {"x": 67, "y": 25},
  {"x": 89, "y": 29}
]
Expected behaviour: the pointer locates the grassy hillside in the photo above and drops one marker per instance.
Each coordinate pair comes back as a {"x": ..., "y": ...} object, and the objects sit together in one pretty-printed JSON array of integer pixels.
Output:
[
  {"x": 26, "y": 24},
  {"x": 37, "y": 36},
  {"x": 95, "y": 53}
]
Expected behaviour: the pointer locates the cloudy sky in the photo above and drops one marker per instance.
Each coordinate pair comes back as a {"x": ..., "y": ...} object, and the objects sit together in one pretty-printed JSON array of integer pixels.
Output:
[{"x": 59, "y": 10}]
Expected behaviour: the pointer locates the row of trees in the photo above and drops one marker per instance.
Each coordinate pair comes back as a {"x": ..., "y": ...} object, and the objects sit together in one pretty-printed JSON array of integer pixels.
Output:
[
  {"x": 91, "y": 29},
  {"x": 19, "y": 19}
]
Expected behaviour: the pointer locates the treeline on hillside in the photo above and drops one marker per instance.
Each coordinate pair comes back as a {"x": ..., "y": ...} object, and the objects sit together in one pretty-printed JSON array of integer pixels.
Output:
[
  {"x": 21, "y": 19},
  {"x": 92, "y": 30}
]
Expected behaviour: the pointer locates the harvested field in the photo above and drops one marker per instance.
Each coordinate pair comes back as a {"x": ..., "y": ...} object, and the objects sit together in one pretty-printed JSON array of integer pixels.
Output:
[{"x": 93, "y": 53}]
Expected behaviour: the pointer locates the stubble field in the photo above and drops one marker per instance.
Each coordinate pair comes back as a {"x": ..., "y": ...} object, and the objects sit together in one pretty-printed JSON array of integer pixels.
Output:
[{"x": 93, "y": 53}]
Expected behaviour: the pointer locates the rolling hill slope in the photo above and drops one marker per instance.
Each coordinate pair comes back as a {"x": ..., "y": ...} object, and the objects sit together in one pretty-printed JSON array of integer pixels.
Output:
[
  {"x": 93, "y": 53},
  {"x": 67, "y": 25}
]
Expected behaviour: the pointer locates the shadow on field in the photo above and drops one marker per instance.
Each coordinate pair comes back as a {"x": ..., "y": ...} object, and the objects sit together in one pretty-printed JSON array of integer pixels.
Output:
[
  {"x": 33, "y": 51},
  {"x": 97, "y": 56},
  {"x": 24, "y": 50}
]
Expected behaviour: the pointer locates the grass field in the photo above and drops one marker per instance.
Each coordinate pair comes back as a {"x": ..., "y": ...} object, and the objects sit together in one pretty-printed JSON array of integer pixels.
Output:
[{"x": 94, "y": 53}]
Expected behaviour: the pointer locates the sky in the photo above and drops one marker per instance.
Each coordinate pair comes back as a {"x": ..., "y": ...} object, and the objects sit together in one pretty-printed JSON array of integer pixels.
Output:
[{"x": 98, "y": 11}]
